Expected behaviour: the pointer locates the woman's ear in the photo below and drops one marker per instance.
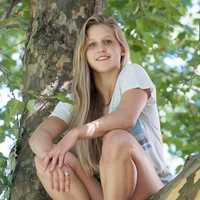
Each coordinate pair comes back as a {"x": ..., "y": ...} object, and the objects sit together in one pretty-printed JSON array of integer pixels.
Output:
[{"x": 122, "y": 51}]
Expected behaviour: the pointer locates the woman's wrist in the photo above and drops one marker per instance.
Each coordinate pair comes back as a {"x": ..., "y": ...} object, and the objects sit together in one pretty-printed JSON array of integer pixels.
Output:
[
  {"x": 41, "y": 154},
  {"x": 87, "y": 130},
  {"x": 41, "y": 151},
  {"x": 80, "y": 131}
]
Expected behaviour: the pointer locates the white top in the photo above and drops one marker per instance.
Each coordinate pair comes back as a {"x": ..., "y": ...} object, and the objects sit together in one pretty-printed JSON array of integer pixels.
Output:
[{"x": 147, "y": 128}]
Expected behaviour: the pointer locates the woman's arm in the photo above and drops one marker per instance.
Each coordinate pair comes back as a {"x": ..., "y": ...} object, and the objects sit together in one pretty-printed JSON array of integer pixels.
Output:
[
  {"x": 131, "y": 106},
  {"x": 41, "y": 141},
  {"x": 132, "y": 103}
]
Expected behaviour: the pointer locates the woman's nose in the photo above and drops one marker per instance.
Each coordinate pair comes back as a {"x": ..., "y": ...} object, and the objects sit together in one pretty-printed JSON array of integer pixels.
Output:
[{"x": 101, "y": 47}]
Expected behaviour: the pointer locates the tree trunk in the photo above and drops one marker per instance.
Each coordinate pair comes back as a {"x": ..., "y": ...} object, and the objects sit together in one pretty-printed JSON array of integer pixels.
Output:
[{"x": 48, "y": 62}]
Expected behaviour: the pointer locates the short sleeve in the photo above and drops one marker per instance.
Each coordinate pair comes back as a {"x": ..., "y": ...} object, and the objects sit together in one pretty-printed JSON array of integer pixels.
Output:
[
  {"x": 63, "y": 111},
  {"x": 134, "y": 76}
]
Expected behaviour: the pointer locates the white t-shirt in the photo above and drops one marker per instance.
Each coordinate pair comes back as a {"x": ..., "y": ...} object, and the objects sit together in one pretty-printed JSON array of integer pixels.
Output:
[{"x": 147, "y": 128}]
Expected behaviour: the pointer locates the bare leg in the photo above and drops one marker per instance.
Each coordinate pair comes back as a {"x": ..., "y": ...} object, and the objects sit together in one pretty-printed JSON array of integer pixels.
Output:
[
  {"x": 83, "y": 187},
  {"x": 126, "y": 173},
  {"x": 90, "y": 182},
  {"x": 77, "y": 189}
]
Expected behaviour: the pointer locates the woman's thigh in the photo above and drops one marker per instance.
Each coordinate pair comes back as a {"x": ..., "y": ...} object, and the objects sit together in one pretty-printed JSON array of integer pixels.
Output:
[
  {"x": 120, "y": 142},
  {"x": 77, "y": 189}
]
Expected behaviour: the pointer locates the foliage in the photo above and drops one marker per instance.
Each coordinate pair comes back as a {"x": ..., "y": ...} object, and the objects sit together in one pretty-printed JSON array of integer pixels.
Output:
[
  {"x": 156, "y": 34},
  {"x": 13, "y": 27}
]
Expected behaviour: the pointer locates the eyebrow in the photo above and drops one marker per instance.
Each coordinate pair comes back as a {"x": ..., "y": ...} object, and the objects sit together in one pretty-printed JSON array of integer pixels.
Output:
[{"x": 103, "y": 37}]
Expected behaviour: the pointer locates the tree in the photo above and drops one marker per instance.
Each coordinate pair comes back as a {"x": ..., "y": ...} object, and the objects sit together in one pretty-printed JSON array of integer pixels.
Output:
[
  {"x": 185, "y": 186},
  {"x": 148, "y": 25},
  {"x": 48, "y": 62}
]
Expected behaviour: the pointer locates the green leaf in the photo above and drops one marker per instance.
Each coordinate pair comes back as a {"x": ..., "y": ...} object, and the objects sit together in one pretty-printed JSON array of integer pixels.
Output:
[
  {"x": 62, "y": 97},
  {"x": 15, "y": 107},
  {"x": 31, "y": 105}
]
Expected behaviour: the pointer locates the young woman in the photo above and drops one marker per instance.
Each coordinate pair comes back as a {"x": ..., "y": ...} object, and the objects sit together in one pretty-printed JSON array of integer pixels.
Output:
[{"x": 112, "y": 147}]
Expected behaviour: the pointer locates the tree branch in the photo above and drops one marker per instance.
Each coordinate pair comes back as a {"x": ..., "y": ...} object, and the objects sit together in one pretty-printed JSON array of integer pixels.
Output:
[
  {"x": 99, "y": 6},
  {"x": 12, "y": 5}
]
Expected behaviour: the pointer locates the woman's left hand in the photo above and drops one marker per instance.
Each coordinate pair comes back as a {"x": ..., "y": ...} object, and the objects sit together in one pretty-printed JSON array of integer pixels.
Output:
[{"x": 56, "y": 155}]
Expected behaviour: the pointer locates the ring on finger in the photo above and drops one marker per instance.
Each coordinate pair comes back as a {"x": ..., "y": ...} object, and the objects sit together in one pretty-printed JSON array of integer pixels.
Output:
[{"x": 66, "y": 173}]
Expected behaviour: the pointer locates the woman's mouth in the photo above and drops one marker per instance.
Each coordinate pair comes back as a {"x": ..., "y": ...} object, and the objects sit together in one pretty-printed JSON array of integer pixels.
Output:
[{"x": 102, "y": 58}]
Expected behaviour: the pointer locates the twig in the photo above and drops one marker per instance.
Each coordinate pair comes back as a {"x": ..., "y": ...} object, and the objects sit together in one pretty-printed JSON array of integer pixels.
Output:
[{"x": 12, "y": 5}]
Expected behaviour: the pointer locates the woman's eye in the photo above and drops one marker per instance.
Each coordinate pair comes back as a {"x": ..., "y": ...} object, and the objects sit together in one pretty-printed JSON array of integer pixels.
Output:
[
  {"x": 91, "y": 44},
  {"x": 108, "y": 42}
]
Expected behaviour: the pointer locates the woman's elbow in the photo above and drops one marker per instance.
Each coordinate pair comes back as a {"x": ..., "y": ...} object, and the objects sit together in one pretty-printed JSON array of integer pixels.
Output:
[
  {"x": 130, "y": 121},
  {"x": 34, "y": 139}
]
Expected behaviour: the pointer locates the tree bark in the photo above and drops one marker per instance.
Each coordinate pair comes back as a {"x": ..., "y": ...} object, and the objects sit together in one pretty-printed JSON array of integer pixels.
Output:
[
  {"x": 186, "y": 186},
  {"x": 48, "y": 63}
]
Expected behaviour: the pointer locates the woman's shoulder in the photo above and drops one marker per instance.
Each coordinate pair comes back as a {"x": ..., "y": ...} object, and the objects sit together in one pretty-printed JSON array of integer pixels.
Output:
[
  {"x": 132, "y": 67},
  {"x": 134, "y": 76},
  {"x": 132, "y": 70}
]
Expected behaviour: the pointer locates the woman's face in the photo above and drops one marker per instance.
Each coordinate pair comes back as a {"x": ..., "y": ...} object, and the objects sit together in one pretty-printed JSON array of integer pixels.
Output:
[{"x": 103, "y": 51}]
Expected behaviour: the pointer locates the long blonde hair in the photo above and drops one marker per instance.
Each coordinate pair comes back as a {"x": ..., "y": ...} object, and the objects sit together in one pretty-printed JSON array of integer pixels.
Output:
[{"x": 88, "y": 102}]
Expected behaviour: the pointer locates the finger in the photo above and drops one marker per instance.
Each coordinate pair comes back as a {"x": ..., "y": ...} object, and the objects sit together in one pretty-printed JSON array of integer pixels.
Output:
[
  {"x": 61, "y": 180},
  {"x": 55, "y": 180},
  {"x": 51, "y": 179},
  {"x": 45, "y": 162},
  {"x": 61, "y": 158},
  {"x": 53, "y": 163},
  {"x": 67, "y": 180}
]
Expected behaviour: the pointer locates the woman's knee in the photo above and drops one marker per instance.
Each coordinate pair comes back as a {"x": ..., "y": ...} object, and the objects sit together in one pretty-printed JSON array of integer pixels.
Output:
[{"x": 116, "y": 144}]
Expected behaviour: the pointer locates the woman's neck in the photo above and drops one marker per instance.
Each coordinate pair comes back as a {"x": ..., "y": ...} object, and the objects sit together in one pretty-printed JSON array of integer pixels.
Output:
[{"x": 105, "y": 83}]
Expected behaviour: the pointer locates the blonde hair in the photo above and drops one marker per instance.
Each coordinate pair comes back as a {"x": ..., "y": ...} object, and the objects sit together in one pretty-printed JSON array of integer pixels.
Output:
[{"x": 88, "y": 102}]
